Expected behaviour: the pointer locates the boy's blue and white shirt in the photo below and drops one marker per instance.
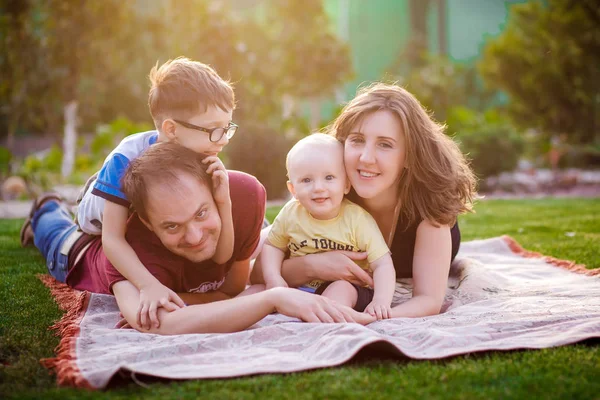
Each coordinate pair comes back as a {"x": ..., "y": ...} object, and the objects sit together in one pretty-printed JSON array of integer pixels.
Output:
[{"x": 108, "y": 183}]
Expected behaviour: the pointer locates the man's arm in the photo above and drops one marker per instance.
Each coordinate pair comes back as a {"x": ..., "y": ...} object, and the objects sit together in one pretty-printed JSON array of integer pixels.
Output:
[
  {"x": 238, "y": 313},
  {"x": 153, "y": 293}
]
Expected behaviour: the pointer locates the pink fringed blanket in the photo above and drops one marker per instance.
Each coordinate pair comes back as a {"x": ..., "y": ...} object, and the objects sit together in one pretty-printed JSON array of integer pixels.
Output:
[{"x": 500, "y": 297}]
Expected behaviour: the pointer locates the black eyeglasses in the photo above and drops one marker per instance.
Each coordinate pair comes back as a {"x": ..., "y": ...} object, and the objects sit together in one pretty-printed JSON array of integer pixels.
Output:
[{"x": 215, "y": 134}]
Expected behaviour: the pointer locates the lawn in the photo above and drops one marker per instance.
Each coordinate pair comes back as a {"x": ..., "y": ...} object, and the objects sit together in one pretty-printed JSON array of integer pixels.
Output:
[{"x": 568, "y": 229}]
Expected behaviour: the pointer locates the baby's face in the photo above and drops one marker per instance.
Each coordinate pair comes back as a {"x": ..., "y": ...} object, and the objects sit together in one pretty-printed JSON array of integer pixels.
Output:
[{"x": 318, "y": 180}]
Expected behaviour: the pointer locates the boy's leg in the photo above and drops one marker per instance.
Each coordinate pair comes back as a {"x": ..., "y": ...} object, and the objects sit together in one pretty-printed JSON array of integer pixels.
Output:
[
  {"x": 52, "y": 228},
  {"x": 343, "y": 292}
]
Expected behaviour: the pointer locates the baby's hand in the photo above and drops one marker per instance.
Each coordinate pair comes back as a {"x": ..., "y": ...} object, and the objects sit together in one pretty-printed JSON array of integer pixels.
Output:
[
  {"x": 275, "y": 282},
  {"x": 220, "y": 179},
  {"x": 379, "y": 310}
]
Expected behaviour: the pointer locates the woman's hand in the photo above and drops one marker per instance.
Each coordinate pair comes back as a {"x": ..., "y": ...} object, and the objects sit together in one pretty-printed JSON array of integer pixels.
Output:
[
  {"x": 311, "y": 308},
  {"x": 340, "y": 265}
]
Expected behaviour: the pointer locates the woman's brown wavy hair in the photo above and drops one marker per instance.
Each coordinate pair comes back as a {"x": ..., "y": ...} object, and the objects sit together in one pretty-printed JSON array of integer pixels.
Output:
[{"x": 437, "y": 184}]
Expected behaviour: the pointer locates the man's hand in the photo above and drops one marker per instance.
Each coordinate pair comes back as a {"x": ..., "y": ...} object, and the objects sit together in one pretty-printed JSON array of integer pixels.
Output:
[
  {"x": 311, "y": 308},
  {"x": 151, "y": 298},
  {"x": 379, "y": 309},
  {"x": 340, "y": 265},
  {"x": 276, "y": 281},
  {"x": 122, "y": 323},
  {"x": 220, "y": 179}
]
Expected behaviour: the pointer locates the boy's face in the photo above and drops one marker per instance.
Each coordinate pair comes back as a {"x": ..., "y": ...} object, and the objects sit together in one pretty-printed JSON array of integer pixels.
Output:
[
  {"x": 318, "y": 180},
  {"x": 196, "y": 140}
]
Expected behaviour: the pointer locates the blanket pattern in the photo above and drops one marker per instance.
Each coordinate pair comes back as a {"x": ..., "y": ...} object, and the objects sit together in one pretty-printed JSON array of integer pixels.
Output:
[{"x": 499, "y": 297}]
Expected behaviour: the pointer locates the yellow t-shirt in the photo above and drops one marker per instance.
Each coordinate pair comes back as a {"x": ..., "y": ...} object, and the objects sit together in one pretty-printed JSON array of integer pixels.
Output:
[{"x": 354, "y": 229}]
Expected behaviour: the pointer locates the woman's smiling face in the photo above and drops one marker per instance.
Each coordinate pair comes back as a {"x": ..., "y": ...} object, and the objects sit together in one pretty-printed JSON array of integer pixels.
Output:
[{"x": 374, "y": 155}]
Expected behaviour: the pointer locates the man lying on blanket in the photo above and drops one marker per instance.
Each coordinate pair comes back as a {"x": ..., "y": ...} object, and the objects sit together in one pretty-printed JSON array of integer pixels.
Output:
[{"x": 174, "y": 231}]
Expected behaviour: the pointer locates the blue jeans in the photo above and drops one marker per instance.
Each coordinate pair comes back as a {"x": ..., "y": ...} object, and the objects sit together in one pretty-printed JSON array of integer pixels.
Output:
[{"x": 52, "y": 225}]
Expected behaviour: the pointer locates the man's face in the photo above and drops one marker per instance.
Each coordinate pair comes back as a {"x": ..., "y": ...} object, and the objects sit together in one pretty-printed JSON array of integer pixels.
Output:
[{"x": 185, "y": 218}]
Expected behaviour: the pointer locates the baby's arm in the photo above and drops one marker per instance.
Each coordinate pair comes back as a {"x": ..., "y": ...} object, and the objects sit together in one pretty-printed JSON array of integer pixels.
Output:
[
  {"x": 222, "y": 198},
  {"x": 272, "y": 258},
  {"x": 153, "y": 294},
  {"x": 384, "y": 277}
]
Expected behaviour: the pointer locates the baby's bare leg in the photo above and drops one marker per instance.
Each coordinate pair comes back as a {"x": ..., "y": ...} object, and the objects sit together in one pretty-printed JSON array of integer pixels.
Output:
[{"x": 343, "y": 292}]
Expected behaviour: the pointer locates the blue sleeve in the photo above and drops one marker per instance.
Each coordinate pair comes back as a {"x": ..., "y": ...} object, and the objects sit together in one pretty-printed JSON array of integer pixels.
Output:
[{"x": 108, "y": 184}]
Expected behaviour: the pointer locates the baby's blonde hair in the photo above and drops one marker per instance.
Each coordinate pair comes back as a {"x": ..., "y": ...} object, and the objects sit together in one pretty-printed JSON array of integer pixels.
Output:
[{"x": 310, "y": 141}]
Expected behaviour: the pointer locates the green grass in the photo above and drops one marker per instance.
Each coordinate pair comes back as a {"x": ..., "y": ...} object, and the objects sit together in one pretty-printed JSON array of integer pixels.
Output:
[{"x": 541, "y": 225}]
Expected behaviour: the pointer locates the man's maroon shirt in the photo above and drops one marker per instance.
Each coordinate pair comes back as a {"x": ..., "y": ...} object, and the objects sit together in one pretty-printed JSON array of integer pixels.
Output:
[{"x": 248, "y": 198}]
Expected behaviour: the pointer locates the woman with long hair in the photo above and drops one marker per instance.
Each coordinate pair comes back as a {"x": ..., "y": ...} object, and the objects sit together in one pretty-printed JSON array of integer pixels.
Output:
[{"x": 414, "y": 181}]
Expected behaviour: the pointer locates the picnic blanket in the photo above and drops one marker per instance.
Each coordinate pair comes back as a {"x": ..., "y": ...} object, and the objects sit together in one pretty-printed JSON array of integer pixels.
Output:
[{"x": 500, "y": 297}]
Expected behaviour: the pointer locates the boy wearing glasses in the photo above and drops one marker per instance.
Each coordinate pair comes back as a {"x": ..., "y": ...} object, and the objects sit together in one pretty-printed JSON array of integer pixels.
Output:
[{"x": 191, "y": 105}]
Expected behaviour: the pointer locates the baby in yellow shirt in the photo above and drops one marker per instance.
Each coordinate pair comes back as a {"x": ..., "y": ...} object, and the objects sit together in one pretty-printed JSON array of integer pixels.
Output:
[{"x": 320, "y": 219}]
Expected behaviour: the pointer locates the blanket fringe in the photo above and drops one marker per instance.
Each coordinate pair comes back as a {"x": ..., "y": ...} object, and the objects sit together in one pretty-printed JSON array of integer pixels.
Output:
[
  {"x": 74, "y": 303},
  {"x": 566, "y": 264}
]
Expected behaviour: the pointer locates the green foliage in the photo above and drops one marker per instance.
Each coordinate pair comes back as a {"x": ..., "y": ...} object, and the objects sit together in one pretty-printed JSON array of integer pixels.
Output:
[
  {"x": 440, "y": 84},
  {"x": 5, "y": 158},
  {"x": 546, "y": 60},
  {"x": 109, "y": 135},
  {"x": 581, "y": 156},
  {"x": 42, "y": 172},
  {"x": 26, "y": 87},
  {"x": 99, "y": 52},
  {"x": 307, "y": 57},
  {"x": 261, "y": 151},
  {"x": 489, "y": 141}
]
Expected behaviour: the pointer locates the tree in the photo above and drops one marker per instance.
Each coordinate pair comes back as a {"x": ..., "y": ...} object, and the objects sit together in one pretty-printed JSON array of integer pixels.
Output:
[
  {"x": 86, "y": 45},
  {"x": 21, "y": 66},
  {"x": 546, "y": 61}
]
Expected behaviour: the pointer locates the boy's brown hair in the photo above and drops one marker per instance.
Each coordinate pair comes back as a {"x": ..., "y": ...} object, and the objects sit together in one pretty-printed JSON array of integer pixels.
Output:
[
  {"x": 181, "y": 88},
  {"x": 162, "y": 165}
]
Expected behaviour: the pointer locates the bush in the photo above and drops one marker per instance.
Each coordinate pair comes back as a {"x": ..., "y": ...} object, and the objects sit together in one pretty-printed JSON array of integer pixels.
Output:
[
  {"x": 581, "y": 157},
  {"x": 5, "y": 158},
  {"x": 491, "y": 143},
  {"x": 546, "y": 60},
  {"x": 261, "y": 151},
  {"x": 42, "y": 172}
]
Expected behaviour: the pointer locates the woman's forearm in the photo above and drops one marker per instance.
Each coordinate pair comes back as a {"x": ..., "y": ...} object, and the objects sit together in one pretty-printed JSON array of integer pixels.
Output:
[
  {"x": 297, "y": 271},
  {"x": 418, "y": 306}
]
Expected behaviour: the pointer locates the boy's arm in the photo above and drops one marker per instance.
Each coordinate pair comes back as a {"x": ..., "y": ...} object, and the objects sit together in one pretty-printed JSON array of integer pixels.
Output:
[
  {"x": 153, "y": 294},
  {"x": 272, "y": 258},
  {"x": 384, "y": 277},
  {"x": 225, "y": 243},
  {"x": 220, "y": 181}
]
